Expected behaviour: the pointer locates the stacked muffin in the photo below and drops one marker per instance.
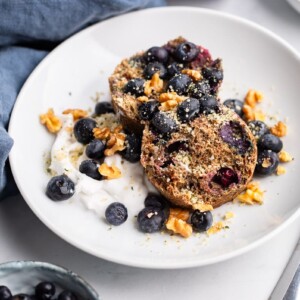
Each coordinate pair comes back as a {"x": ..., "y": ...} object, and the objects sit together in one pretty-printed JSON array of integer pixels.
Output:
[{"x": 194, "y": 149}]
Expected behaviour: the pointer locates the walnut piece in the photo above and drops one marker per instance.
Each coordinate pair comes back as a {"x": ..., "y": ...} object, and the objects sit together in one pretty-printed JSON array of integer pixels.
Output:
[
  {"x": 280, "y": 170},
  {"x": 109, "y": 172},
  {"x": 202, "y": 206},
  {"x": 179, "y": 226},
  {"x": 76, "y": 113},
  {"x": 101, "y": 133},
  {"x": 284, "y": 156},
  {"x": 168, "y": 105},
  {"x": 248, "y": 112},
  {"x": 252, "y": 195},
  {"x": 215, "y": 228},
  {"x": 194, "y": 74},
  {"x": 228, "y": 215},
  {"x": 52, "y": 122},
  {"x": 142, "y": 99},
  {"x": 170, "y": 96},
  {"x": 154, "y": 84},
  {"x": 177, "y": 222},
  {"x": 279, "y": 129},
  {"x": 253, "y": 97},
  {"x": 179, "y": 213},
  {"x": 115, "y": 139},
  {"x": 115, "y": 143}
]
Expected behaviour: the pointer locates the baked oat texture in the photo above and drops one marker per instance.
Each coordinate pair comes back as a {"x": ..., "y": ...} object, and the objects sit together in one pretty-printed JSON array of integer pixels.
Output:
[
  {"x": 186, "y": 168},
  {"x": 126, "y": 105}
]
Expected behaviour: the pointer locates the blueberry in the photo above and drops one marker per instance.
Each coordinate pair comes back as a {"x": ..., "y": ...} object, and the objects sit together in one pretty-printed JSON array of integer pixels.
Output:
[
  {"x": 199, "y": 89},
  {"x": 201, "y": 221},
  {"x": 60, "y": 188},
  {"x": 83, "y": 130},
  {"x": 188, "y": 110},
  {"x": 103, "y": 108},
  {"x": 5, "y": 293},
  {"x": 153, "y": 200},
  {"x": 225, "y": 177},
  {"x": 44, "y": 290},
  {"x": 147, "y": 110},
  {"x": 155, "y": 67},
  {"x": 179, "y": 84},
  {"x": 22, "y": 297},
  {"x": 208, "y": 105},
  {"x": 270, "y": 142},
  {"x": 214, "y": 76},
  {"x": 159, "y": 54},
  {"x": 90, "y": 167},
  {"x": 186, "y": 52},
  {"x": 135, "y": 87},
  {"x": 95, "y": 149},
  {"x": 233, "y": 134},
  {"x": 267, "y": 162},
  {"x": 66, "y": 295},
  {"x": 116, "y": 213},
  {"x": 258, "y": 128},
  {"x": 236, "y": 105},
  {"x": 151, "y": 219},
  {"x": 163, "y": 123},
  {"x": 132, "y": 152},
  {"x": 174, "y": 69}
]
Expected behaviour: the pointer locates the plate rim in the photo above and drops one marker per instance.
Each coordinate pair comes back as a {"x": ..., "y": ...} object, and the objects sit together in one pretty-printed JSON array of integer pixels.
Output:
[{"x": 114, "y": 258}]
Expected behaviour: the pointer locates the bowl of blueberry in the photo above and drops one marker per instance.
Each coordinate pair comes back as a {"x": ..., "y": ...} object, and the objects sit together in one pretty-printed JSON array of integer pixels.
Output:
[{"x": 29, "y": 280}]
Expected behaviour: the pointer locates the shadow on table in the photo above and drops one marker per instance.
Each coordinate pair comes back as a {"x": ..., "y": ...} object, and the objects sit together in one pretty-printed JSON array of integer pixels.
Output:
[{"x": 283, "y": 10}]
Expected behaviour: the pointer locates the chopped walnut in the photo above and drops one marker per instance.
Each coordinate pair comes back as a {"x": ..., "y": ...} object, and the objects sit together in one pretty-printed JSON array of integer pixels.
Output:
[
  {"x": 155, "y": 84},
  {"x": 202, "y": 207},
  {"x": 118, "y": 129},
  {"x": 142, "y": 99},
  {"x": 179, "y": 213},
  {"x": 259, "y": 115},
  {"x": 52, "y": 122},
  {"x": 253, "y": 194},
  {"x": 284, "y": 156},
  {"x": 253, "y": 97},
  {"x": 215, "y": 228},
  {"x": 170, "y": 96},
  {"x": 229, "y": 215},
  {"x": 248, "y": 113},
  {"x": 280, "y": 170},
  {"x": 279, "y": 129},
  {"x": 109, "y": 172},
  {"x": 168, "y": 105},
  {"x": 101, "y": 133},
  {"x": 76, "y": 113},
  {"x": 194, "y": 74},
  {"x": 115, "y": 143},
  {"x": 179, "y": 226}
]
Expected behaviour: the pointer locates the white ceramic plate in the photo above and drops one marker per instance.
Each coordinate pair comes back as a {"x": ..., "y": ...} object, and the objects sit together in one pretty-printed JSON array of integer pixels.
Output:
[{"x": 78, "y": 68}]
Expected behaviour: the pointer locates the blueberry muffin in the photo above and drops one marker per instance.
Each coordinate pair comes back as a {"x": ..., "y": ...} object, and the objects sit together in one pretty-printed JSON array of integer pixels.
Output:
[
  {"x": 200, "y": 152},
  {"x": 179, "y": 66}
]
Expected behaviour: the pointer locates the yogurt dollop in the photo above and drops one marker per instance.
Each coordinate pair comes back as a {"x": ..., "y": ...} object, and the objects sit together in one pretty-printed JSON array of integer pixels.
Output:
[{"x": 130, "y": 189}]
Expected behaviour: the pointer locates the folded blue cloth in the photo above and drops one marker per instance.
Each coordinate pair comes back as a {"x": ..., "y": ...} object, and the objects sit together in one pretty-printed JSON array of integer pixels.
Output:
[{"x": 28, "y": 31}]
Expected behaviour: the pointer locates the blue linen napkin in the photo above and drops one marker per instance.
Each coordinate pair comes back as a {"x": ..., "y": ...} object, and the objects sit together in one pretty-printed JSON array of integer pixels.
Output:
[{"x": 29, "y": 29}]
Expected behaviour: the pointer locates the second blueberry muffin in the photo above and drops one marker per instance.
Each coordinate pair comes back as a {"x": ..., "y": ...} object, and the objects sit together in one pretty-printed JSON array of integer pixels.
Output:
[{"x": 200, "y": 152}]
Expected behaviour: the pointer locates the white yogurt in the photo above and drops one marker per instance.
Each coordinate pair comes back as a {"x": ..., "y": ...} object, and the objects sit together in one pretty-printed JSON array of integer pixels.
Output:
[{"x": 131, "y": 188}]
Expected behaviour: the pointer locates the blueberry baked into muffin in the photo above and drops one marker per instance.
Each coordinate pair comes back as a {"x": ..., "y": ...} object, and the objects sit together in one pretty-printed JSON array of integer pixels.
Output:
[
  {"x": 179, "y": 67},
  {"x": 200, "y": 152}
]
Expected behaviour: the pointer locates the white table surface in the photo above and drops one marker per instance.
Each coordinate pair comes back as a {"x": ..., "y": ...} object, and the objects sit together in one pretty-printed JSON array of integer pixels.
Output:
[{"x": 249, "y": 276}]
